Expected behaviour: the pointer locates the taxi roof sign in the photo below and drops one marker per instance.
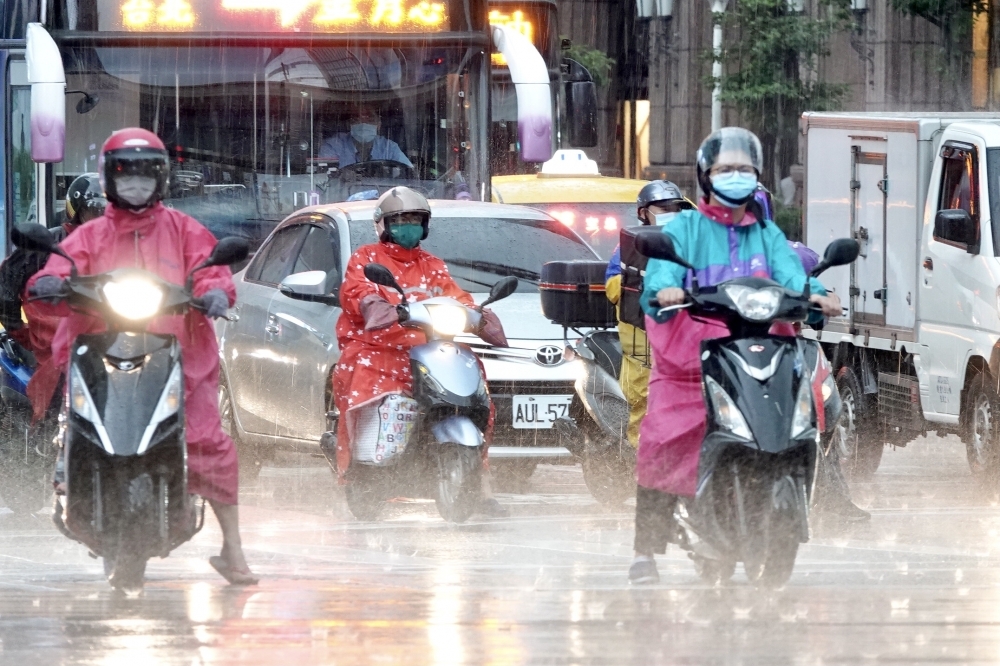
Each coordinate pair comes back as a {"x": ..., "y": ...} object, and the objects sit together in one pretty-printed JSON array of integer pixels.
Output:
[{"x": 570, "y": 163}]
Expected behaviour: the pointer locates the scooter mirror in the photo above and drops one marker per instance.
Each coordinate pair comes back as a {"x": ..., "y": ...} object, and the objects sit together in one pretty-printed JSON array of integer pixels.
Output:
[
  {"x": 381, "y": 275},
  {"x": 658, "y": 245},
  {"x": 838, "y": 253},
  {"x": 501, "y": 290},
  {"x": 228, "y": 251},
  {"x": 33, "y": 237}
]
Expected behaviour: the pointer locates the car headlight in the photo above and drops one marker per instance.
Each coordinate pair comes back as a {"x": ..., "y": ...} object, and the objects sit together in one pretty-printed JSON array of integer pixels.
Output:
[
  {"x": 134, "y": 298},
  {"x": 803, "y": 415},
  {"x": 727, "y": 414},
  {"x": 754, "y": 304},
  {"x": 449, "y": 320}
]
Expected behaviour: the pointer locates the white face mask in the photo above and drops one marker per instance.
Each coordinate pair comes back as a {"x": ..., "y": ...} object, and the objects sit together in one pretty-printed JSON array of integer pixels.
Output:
[
  {"x": 663, "y": 218},
  {"x": 136, "y": 190},
  {"x": 363, "y": 132}
]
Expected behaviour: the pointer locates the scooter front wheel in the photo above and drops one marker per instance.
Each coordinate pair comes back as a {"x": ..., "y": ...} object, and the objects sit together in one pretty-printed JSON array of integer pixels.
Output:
[
  {"x": 460, "y": 476},
  {"x": 363, "y": 493},
  {"x": 771, "y": 566}
]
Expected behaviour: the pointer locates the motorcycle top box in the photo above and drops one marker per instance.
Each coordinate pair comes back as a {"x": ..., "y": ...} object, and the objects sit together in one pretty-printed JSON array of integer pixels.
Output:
[{"x": 573, "y": 294}]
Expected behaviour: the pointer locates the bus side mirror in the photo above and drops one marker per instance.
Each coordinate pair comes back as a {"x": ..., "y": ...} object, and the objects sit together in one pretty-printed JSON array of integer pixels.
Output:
[
  {"x": 581, "y": 105},
  {"x": 48, "y": 96},
  {"x": 530, "y": 76}
]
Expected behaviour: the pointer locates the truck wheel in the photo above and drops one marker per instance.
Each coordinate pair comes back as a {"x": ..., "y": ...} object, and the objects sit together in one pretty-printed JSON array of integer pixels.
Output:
[
  {"x": 981, "y": 446},
  {"x": 860, "y": 444},
  {"x": 460, "y": 479}
]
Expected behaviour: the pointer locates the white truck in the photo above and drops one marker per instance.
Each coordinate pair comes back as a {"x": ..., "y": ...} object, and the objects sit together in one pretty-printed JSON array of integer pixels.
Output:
[{"x": 919, "y": 347}]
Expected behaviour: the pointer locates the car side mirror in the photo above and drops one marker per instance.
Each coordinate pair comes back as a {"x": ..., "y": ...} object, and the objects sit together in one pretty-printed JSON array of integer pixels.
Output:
[
  {"x": 840, "y": 252},
  {"x": 956, "y": 226},
  {"x": 501, "y": 290},
  {"x": 308, "y": 286},
  {"x": 382, "y": 276}
]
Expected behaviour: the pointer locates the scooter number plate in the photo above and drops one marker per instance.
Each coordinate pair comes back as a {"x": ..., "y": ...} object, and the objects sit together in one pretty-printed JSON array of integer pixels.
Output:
[{"x": 540, "y": 411}]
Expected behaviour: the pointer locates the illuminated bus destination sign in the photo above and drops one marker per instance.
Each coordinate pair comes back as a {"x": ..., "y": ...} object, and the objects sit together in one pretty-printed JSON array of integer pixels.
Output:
[
  {"x": 515, "y": 20},
  {"x": 285, "y": 15}
]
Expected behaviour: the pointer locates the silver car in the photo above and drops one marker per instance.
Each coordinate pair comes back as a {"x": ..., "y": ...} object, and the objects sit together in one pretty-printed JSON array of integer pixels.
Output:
[{"x": 278, "y": 354}]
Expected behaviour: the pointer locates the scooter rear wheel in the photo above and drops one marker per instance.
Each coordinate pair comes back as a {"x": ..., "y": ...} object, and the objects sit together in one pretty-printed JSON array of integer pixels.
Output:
[
  {"x": 459, "y": 481},
  {"x": 609, "y": 474}
]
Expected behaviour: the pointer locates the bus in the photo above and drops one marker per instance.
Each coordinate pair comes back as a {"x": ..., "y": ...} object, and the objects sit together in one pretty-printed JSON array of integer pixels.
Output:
[
  {"x": 572, "y": 92},
  {"x": 251, "y": 96}
]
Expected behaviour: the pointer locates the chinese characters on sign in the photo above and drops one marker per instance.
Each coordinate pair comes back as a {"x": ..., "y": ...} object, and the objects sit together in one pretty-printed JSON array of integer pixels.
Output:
[
  {"x": 391, "y": 15},
  {"x": 513, "y": 20}
]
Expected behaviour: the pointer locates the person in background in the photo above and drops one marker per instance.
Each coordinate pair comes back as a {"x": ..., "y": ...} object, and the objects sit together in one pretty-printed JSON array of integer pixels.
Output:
[
  {"x": 658, "y": 202},
  {"x": 363, "y": 143}
]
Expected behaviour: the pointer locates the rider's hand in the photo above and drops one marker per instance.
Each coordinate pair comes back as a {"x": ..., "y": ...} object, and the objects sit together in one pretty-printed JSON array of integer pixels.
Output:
[
  {"x": 670, "y": 296},
  {"x": 491, "y": 330},
  {"x": 216, "y": 303},
  {"x": 47, "y": 287},
  {"x": 830, "y": 304},
  {"x": 378, "y": 313}
]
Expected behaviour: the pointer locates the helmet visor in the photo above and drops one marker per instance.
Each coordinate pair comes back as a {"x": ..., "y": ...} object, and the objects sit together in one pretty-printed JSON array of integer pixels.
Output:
[{"x": 731, "y": 149}]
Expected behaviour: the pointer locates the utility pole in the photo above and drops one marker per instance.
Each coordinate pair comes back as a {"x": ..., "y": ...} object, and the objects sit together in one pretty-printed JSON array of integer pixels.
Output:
[{"x": 718, "y": 6}]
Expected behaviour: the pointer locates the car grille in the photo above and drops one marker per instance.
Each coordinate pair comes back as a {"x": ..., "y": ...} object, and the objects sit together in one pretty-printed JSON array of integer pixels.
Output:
[{"x": 502, "y": 393}]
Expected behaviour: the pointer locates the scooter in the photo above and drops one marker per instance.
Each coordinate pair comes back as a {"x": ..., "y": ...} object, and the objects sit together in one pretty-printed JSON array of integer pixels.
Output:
[
  {"x": 122, "y": 426},
  {"x": 758, "y": 461},
  {"x": 430, "y": 445},
  {"x": 601, "y": 441}
]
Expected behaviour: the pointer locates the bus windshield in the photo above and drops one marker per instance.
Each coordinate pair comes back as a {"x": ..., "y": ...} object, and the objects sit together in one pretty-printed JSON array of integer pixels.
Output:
[{"x": 255, "y": 133}]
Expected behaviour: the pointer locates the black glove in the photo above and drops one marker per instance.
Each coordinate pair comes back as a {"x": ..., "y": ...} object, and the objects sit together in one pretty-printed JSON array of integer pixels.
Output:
[
  {"x": 215, "y": 303},
  {"x": 47, "y": 287}
]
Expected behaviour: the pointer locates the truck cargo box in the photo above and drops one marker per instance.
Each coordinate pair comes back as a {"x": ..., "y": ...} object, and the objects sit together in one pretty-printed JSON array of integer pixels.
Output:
[
  {"x": 867, "y": 177},
  {"x": 573, "y": 294}
]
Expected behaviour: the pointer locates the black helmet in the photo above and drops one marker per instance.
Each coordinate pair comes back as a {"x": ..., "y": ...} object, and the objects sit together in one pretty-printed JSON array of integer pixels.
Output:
[
  {"x": 134, "y": 152},
  {"x": 85, "y": 199},
  {"x": 732, "y": 140},
  {"x": 660, "y": 191}
]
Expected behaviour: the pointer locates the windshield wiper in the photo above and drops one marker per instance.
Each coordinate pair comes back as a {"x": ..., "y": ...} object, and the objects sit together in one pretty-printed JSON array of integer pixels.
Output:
[{"x": 502, "y": 270}]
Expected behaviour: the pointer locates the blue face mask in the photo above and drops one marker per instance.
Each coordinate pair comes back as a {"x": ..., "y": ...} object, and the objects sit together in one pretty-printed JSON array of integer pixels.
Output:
[
  {"x": 363, "y": 132},
  {"x": 663, "y": 218},
  {"x": 735, "y": 189}
]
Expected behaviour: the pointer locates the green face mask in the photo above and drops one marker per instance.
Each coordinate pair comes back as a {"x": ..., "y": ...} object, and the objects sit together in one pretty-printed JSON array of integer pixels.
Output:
[{"x": 406, "y": 235}]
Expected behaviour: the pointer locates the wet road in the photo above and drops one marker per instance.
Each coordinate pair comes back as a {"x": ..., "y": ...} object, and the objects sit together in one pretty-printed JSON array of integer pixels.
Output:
[{"x": 921, "y": 584}]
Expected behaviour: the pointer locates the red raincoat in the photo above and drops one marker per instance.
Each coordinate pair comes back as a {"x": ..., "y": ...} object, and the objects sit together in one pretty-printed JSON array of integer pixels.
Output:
[
  {"x": 42, "y": 327},
  {"x": 377, "y": 363},
  {"x": 168, "y": 243}
]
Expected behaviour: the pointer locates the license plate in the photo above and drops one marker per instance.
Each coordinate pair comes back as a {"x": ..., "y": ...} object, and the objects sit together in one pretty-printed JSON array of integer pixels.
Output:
[{"x": 540, "y": 411}]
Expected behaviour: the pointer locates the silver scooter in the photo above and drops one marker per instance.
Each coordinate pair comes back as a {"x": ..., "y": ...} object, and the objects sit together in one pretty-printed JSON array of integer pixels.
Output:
[{"x": 439, "y": 453}]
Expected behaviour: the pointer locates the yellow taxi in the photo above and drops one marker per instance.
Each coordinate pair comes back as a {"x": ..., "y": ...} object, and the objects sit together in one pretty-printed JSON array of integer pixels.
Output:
[{"x": 571, "y": 189}]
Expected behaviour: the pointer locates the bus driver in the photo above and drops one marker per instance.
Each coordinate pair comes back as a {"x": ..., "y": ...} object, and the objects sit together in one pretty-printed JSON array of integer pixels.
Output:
[{"x": 362, "y": 143}]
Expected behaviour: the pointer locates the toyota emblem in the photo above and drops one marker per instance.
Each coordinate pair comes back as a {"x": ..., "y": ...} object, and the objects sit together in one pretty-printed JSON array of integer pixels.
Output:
[{"x": 549, "y": 355}]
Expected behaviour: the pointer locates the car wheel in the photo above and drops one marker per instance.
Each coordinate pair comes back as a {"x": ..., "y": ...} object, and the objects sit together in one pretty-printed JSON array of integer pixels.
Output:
[
  {"x": 249, "y": 457},
  {"x": 860, "y": 443},
  {"x": 981, "y": 439}
]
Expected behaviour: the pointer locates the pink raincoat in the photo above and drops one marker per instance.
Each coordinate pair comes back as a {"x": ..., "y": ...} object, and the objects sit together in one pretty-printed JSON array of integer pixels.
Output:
[{"x": 169, "y": 243}]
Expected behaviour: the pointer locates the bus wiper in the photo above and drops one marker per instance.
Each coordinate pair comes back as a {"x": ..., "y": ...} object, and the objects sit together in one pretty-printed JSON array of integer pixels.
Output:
[{"x": 497, "y": 269}]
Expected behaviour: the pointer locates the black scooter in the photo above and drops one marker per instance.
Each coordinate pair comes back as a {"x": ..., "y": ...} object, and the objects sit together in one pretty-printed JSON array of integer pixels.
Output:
[
  {"x": 122, "y": 425},
  {"x": 759, "y": 458}
]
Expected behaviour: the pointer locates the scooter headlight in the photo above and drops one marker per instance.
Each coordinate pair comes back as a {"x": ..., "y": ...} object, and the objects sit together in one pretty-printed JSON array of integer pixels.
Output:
[
  {"x": 727, "y": 414},
  {"x": 448, "y": 320},
  {"x": 79, "y": 397},
  {"x": 829, "y": 387},
  {"x": 754, "y": 304},
  {"x": 133, "y": 297},
  {"x": 803, "y": 415}
]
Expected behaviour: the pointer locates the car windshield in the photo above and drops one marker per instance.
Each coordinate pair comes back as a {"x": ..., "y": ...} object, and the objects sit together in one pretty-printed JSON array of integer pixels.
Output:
[
  {"x": 598, "y": 223},
  {"x": 255, "y": 133},
  {"x": 480, "y": 251}
]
